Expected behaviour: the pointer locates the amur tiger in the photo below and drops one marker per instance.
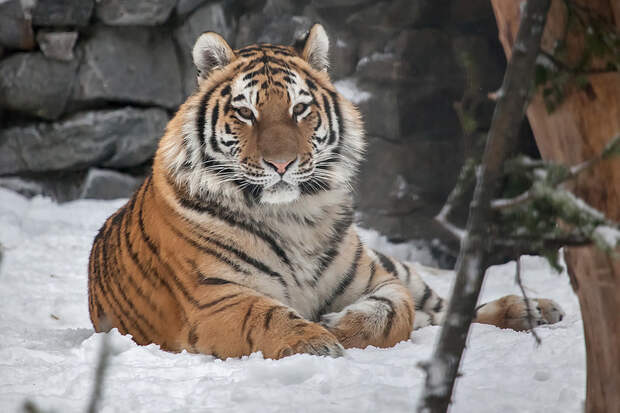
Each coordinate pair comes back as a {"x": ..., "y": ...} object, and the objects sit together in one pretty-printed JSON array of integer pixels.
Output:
[{"x": 242, "y": 238}]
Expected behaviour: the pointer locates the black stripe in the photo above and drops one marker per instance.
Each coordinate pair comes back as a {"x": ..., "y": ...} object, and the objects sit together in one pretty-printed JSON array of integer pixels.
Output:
[
  {"x": 333, "y": 244},
  {"x": 425, "y": 297},
  {"x": 217, "y": 211},
  {"x": 439, "y": 306},
  {"x": 373, "y": 272},
  {"x": 334, "y": 97},
  {"x": 219, "y": 300},
  {"x": 269, "y": 315},
  {"x": 408, "y": 273},
  {"x": 240, "y": 254},
  {"x": 215, "y": 113},
  {"x": 226, "y": 307},
  {"x": 248, "y": 314},
  {"x": 111, "y": 278},
  {"x": 348, "y": 278},
  {"x": 386, "y": 263},
  {"x": 214, "y": 281},
  {"x": 192, "y": 337},
  {"x": 328, "y": 110},
  {"x": 172, "y": 274},
  {"x": 391, "y": 313}
]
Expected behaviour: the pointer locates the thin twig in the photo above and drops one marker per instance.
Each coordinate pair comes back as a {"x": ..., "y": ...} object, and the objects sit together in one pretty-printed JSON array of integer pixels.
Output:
[
  {"x": 530, "y": 318},
  {"x": 100, "y": 371}
]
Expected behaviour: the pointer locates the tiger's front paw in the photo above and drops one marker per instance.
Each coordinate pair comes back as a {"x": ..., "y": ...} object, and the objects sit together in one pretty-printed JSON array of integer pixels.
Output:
[{"x": 311, "y": 338}]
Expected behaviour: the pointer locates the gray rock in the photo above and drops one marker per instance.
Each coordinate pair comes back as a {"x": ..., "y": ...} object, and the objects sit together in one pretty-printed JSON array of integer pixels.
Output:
[
  {"x": 108, "y": 184},
  {"x": 188, "y": 6},
  {"x": 403, "y": 199},
  {"x": 338, "y": 3},
  {"x": 129, "y": 64},
  {"x": 62, "y": 12},
  {"x": 399, "y": 14},
  {"x": 57, "y": 45},
  {"x": 111, "y": 138},
  {"x": 343, "y": 54},
  {"x": 15, "y": 26},
  {"x": 31, "y": 83},
  {"x": 60, "y": 186},
  {"x": 279, "y": 22},
  {"x": 210, "y": 17},
  {"x": 134, "y": 12}
]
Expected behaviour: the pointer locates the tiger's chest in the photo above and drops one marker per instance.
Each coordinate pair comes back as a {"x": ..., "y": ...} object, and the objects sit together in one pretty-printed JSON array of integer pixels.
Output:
[{"x": 290, "y": 262}]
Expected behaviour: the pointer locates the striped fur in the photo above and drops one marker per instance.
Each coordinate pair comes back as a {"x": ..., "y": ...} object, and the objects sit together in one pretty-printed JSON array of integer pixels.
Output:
[{"x": 242, "y": 239}]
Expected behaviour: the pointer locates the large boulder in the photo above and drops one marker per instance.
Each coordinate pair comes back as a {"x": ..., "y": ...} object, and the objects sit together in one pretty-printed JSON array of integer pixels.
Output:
[
  {"x": 62, "y": 12},
  {"x": 110, "y": 138},
  {"x": 134, "y": 12},
  {"x": 34, "y": 84},
  {"x": 15, "y": 26},
  {"x": 210, "y": 17},
  {"x": 129, "y": 64}
]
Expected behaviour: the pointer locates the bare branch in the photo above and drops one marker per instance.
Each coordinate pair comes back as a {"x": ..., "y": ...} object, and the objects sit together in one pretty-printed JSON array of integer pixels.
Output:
[
  {"x": 530, "y": 319},
  {"x": 100, "y": 371},
  {"x": 441, "y": 370}
]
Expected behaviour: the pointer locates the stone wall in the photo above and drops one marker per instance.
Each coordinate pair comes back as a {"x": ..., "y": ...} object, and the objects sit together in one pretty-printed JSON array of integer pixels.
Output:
[{"x": 86, "y": 88}]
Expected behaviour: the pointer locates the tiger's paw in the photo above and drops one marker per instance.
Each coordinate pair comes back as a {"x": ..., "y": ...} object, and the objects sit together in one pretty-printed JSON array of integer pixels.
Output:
[
  {"x": 311, "y": 339},
  {"x": 513, "y": 312}
]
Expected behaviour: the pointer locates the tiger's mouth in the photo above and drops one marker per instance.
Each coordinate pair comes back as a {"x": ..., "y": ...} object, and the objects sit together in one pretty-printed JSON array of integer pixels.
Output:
[{"x": 281, "y": 192}]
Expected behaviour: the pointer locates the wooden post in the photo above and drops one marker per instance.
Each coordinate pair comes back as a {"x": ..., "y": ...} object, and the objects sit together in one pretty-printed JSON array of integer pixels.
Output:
[{"x": 576, "y": 131}]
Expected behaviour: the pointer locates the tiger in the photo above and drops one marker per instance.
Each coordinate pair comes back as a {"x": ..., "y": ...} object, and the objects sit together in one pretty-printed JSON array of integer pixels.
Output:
[{"x": 242, "y": 238}]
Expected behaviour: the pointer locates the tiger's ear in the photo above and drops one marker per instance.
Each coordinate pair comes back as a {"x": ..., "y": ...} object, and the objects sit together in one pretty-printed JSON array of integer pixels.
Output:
[
  {"x": 314, "y": 48},
  {"x": 211, "y": 52}
]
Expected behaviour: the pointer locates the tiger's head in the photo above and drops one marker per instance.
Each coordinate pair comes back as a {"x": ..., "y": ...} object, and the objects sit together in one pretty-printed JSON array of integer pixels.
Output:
[{"x": 266, "y": 122}]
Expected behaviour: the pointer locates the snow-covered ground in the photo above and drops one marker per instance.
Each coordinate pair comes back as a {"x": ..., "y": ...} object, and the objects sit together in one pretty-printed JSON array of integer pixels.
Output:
[{"x": 48, "y": 349}]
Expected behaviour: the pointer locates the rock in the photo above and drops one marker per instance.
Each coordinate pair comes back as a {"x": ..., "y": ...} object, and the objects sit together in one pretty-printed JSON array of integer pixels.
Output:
[
  {"x": 108, "y": 184},
  {"x": 57, "y": 45},
  {"x": 343, "y": 54},
  {"x": 338, "y": 3},
  {"x": 419, "y": 57},
  {"x": 210, "y": 17},
  {"x": 62, "y": 12},
  {"x": 129, "y": 64},
  {"x": 60, "y": 186},
  {"x": 400, "y": 14},
  {"x": 31, "y": 83},
  {"x": 15, "y": 26},
  {"x": 279, "y": 22},
  {"x": 111, "y": 138},
  {"x": 188, "y": 6},
  {"x": 134, "y": 12},
  {"x": 402, "y": 200}
]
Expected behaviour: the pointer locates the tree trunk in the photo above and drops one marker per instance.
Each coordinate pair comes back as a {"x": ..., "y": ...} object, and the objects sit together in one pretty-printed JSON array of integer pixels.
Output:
[{"x": 576, "y": 131}]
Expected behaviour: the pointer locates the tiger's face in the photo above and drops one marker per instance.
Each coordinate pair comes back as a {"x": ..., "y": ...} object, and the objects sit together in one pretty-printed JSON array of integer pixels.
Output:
[{"x": 269, "y": 123}]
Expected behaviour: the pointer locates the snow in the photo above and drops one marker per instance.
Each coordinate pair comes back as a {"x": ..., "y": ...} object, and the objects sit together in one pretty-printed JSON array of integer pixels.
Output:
[
  {"x": 609, "y": 235},
  {"x": 351, "y": 91},
  {"x": 48, "y": 349}
]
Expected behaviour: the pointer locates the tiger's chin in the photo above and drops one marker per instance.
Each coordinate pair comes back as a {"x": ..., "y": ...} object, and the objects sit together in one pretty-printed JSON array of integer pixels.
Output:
[{"x": 280, "y": 193}]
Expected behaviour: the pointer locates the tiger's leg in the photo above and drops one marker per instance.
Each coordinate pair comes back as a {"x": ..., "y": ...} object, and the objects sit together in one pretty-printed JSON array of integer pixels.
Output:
[
  {"x": 507, "y": 312},
  {"x": 382, "y": 317},
  {"x": 512, "y": 311},
  {"x": 231, "y": 321}
]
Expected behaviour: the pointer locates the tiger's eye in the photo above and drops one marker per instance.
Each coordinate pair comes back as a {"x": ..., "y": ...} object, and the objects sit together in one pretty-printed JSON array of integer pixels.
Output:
[
  {"x": 245, "y": 112},
  {"x": 299, "y": 108}
]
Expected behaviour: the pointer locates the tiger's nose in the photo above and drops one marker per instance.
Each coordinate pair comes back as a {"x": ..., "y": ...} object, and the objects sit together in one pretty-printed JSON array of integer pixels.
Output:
[{"x": 280, "y": 165}]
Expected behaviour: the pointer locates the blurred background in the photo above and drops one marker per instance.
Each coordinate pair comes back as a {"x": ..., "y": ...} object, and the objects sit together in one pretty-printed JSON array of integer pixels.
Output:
[{"x": 87, "y": 87}]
